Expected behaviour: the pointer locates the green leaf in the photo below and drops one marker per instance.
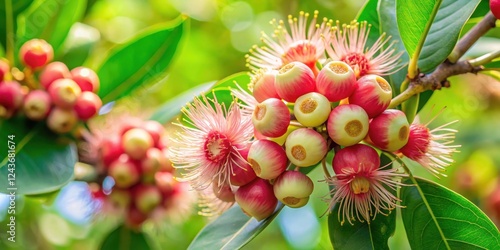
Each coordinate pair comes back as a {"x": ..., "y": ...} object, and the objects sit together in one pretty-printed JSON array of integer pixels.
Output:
[
  {"x": 78, "y": 45},
  {"x": 482, "y": 8},
  {"x": 124, "y": 238},
  {"x": 2, "y": 51},
  {"x": 43, "y": 161},
  {"x": 362, "y": 235},
  {"x": 172, "y": 107},
  {"x": 369, "y": 13},
  {"x": 451, "y": 17},
  {"x": 50, "y": 20},
  {"x": 143, "y": 59},
  {"x": 441, "y": 218},
  {"x": 18, "y": 6},
  {"x": 412, "y": 19},
  {"x": 389, "y": 25},
  {"x": 232, "y": 230}
]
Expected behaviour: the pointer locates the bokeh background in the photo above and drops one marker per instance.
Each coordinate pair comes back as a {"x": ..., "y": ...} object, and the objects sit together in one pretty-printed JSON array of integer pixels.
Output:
[{"x": 221, "y": 33}]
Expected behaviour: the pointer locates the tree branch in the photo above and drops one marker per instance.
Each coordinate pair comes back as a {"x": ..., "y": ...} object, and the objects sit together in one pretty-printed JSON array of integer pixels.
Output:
[
  {"x": 435, "y": 80},
  {"x": 472, "y": 36}
]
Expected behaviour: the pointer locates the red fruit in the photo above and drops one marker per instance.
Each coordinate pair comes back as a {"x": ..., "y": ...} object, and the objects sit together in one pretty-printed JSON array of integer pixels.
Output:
[
  {"x": 53, "y": 71},
  {"x": 4, "y": 69},
  {"x": 242, "y": 171},
  {"x": 152, "y": 163},
  {"x": 267, "y": 158},
  {"x": 36, "y": 53},
  {"x": 37, "y": 105},
  {"x": 135, "y": 218},
  {"x": 11, "y": 95},
  {"x": 271, "y": 117},
  {"x": 336, "y": 81},
  {"x": 87, "y": 105},
  {"x": 263, "y": 85},
  {"x": 124, "y": 171},
  {"x": 64, "y": 93},
  {"x": 111, "y": 149},
  {"x": 86, "y": 78},
  {"x": 390, "y": 130},
  {"x": 165, "y": 182},
  {"x": 294, "y": 80},
  {"x": 495, "y": 8},
  {"x": 61, "y": 121},
  {"x": 257, "y": 199},
  {"x": 224, "y": 193},
  {"x": 373, "y": 93}
]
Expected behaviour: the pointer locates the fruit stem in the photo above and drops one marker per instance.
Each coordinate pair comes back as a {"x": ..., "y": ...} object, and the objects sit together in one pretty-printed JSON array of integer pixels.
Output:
[{"x": 484, "y": 59}]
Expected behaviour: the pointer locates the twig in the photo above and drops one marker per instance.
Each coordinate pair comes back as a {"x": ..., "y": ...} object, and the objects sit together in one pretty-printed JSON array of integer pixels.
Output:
[{"x": 472, "y": 36}]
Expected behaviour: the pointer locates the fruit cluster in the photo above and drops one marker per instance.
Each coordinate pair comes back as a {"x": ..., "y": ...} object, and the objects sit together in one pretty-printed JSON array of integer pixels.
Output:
[
  {"x": 301, "y": 116},
  {"x": 48, "y": 90},
  {"x": 136, "y": 158}
]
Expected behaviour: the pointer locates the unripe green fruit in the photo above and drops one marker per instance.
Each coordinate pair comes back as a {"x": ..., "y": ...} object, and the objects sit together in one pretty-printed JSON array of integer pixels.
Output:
[
  {"x": 146, "y": 198},
  {"x": 37, "y": 105},
  {"x": 136, "y": 142},
  {"x": 293, "y": 188},
  {"x": 61, "y": 121},
  {"x": 124, "y": 171},
  {"x": 312, "y": 109},
  {"x": 305, "y": 147}
]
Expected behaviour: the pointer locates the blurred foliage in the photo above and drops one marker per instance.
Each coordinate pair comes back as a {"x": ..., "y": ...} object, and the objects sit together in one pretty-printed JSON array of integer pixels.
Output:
[{"x": 220, "y": 34}]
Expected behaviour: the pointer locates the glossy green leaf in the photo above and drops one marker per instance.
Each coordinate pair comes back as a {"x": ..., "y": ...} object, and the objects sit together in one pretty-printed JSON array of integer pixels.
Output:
[
  {"x": 374, "y": 235},
  {"x": 172, "y": 107},
  {"x": 389, "y": 25},
  {"x": 50, "y": 20},
  {"x": 482, "y": 8},
  {"x": 451, "y": 17},
  {"x": 123, "y": 238},
  {"x": 443, "y": 219},
  {"x": 139, "y": 61},
  {"x": 412, "y": 18},
  {"x": 43, "y": 162},
  {"x": 369, "y": 13},
  {"x": 231, "y": 230},
  {"x": 17, "y": 7}
]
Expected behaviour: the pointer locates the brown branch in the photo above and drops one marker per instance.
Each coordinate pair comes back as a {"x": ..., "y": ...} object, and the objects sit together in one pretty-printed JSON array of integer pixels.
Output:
[
  {"x": 435, "y": 80},
  {"x": 472, "y": 36}
]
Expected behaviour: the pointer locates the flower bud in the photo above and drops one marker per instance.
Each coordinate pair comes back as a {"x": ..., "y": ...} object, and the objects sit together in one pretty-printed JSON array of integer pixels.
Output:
[
  {"x": 354, "y": 157},
  {"x": 293, "y": 188},
  {"x": 263, "y": 85},
  {"x": 4, "y": 69},
  {"x": 61, "y": 121},
  {"x": 336, "y": 81},
  {"x": 110, "y": 149},
  {"x": 35, "y": 53},
  {"x": 312, "y": 109},
  {"x": 136, "y": 142},
  {"x": 347, "y": 124},
  {"x": 124, "y": 171},
  {"x": 37, "y": 105},
  {"x": 373, "y": 94},
  {"x": 64, "y": 93},
  {"x": 242, "y": 172},
  {"x": 155, "y": 129},
  {"x": 294, "y": 80},
  {"x": 257, "y": 199},
  {"x": 86, "y": 78},
  {"x": 146, "y": 198},
  {"x": 53, "y": 71},
  {"x": 305, "y": 147},
  {"x": 267, "y": 158},
  {"x": 87, "y": 105},
  {"x": 271, "y": 117},
  {"x": 389, "y": 131},
  {"x": 11, "y": 95}
]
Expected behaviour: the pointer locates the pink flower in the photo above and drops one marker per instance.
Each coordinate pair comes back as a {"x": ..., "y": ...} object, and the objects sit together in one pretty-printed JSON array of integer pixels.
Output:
[
  {"x": 298, "y": 42},
  {"x": 361, "y": 188},
  {"x": 431, "y": 148},
  {"x": 209, "y": 147},
  {"x": 348, "y": 44}
]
